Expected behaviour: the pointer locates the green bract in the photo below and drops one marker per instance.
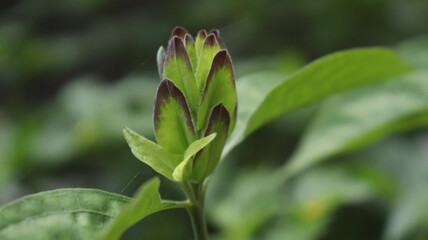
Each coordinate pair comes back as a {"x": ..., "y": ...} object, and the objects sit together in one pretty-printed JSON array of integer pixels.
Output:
[{"x": 195, "y": 108}]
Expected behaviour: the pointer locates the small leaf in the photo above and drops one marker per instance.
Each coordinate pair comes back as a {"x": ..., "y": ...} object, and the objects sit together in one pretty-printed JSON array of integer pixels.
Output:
[
  {"x": 209, "y": 50},
  {"x": 199, "y": 42},
  {"x": 207, "y": 159},
  {"x": 178, "y": 69},
  {"x": 173, "y": 123},
  {"x": 160, "y": 58},
  {"x": 355, "y": 119},
  {"x": 191, "y": 50},
  {"x": 184, "y": 170},
  {"x": 220, "y": 88},
  {"x": 146, "y": 201},
  {"x": 67, "y": 214},
  {"x": 152, "y": 154}
]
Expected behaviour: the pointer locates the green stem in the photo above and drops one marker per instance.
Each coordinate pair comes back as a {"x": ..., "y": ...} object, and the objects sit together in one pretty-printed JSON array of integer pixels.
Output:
[{"x": 196, "y": 195}]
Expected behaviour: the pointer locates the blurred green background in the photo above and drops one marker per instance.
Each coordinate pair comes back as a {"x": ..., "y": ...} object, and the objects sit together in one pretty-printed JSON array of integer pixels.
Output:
[{"x": 73, "y": 73}]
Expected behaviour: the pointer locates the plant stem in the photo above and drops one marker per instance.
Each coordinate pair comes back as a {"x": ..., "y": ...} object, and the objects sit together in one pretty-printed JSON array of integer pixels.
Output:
[
  {"x": 196, "y": 195},
  {"x": 197, "y": 215}
]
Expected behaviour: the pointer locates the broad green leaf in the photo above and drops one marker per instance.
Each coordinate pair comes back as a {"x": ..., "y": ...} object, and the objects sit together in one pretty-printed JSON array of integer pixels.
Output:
[
  {"x": 207, "y": 159},
  {"x": 178, "y": 69},
  {"x": 152, "y": 154},
  {"x": 199, "y": 42},
  {"x": 67, "y": 214},
  {"x": 146, "y": 201},
  {"x": 324, "y": 77},
  {"x": 354, "y": 119},
  {"x": 184, "y": 170},
  {"x": 414, "y": 51},
  {"x": 173, "y": 123},
  {"x": 191, "y": 51},
  {"x": 219, "y": 89},
  {"x": 209, "y": 50}
]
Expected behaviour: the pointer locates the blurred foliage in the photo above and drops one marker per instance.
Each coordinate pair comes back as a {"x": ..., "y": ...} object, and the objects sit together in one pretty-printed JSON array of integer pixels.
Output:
[{"x": 74, "y": 73}]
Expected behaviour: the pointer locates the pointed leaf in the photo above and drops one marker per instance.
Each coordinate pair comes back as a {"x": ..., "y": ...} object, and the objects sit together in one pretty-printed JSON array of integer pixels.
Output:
[
  {"x": 146, "y": 201},
  {"x": 178, "y": 69},
  {"x": 199, "y": 42},
  {"x": 209, "y": 50},
  {"x": 160, "y": 58},
  {"x": 173, "y": 123},
  {"x": 152, "y": 154},
  {"x": 207, "y": 159},
  {"x": 68, "y": 214},
  {"x": 324, "y": 77},
  {"x": 220, "y": 88},
  {"x": 184, "y": 170},
  {"x": 191, "y": 50}
]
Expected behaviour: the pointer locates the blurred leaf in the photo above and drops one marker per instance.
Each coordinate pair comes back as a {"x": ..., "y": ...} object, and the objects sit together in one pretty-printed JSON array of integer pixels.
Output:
[
  {"x": 60, "y": 214},
  {"x": 414, "y": 51},
  {"x": 329, "y": 75},
  {"x": 146, "y": 201},
  {"x": 357, "y": 118},
  {"x": 404, "y": 159},
  {"x": 184, "y": 169},
  {"x": 152, "y": 154},
  {"x": 251, "y": 90}
]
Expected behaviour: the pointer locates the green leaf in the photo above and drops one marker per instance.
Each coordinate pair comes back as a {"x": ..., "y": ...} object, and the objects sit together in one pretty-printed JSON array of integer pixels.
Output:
[
  {"x": 152, "y": 154},
  {"x": 184, "y": 170},
  {"x": 199, "y": 42},
  {"x": 173, "y": 123},
  {"x": 207, "y": 159},
  {"x": 191, "y": 50},
  {"x": 68, "y": 214},
  {"x": 354, "y": 119},
  {"x": 324, "y": 77},
  {"x": 178, "y": 69},
  {"x": 146, "y": 201},
  {"x": 209, "y": 50},
  {"x": 219, "y": 88}
]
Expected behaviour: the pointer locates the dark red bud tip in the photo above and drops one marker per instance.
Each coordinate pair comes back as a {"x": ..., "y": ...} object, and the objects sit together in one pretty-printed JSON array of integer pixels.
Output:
[
  {"x": 221, "y": 59},
  {"x": 218, "y": 114},
  {"x": 202, "y": 33},
  {"x": 179, "y": 32},
  {"x": 176, "y": 46},
  {"x": 211, "y": 40},
  {"x": 168, "y": 90},
  {"x": 216, "y": 32}
]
